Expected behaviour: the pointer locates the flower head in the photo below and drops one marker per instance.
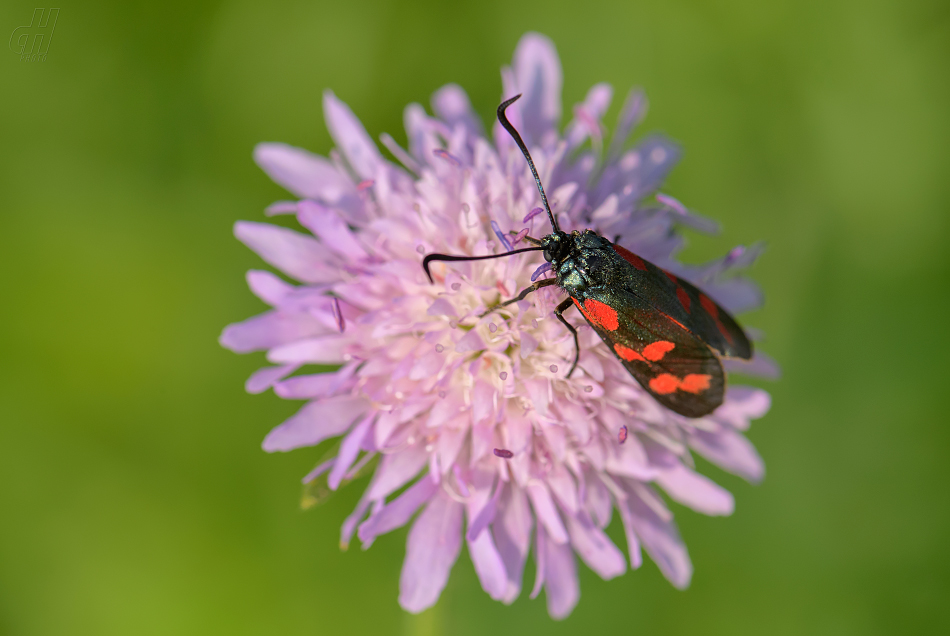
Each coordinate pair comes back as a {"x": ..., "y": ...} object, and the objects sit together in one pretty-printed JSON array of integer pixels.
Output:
[{"x": 469, "y": 414}]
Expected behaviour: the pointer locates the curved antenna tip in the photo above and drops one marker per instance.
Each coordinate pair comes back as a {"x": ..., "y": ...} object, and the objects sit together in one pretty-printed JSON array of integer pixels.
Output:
[{"x": 503, "y": 120}]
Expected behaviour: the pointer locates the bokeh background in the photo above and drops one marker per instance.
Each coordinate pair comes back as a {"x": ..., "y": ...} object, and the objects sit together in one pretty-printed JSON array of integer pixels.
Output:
[{"x": 134, "y": 497}]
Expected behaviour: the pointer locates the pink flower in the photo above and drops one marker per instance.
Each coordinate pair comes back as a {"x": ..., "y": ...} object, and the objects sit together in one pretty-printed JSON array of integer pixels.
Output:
[{"x": 471, "y": 418}]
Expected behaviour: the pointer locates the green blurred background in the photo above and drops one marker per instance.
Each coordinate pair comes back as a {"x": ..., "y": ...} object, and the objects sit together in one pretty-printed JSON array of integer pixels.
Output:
[{"x": 135, "y": 498}]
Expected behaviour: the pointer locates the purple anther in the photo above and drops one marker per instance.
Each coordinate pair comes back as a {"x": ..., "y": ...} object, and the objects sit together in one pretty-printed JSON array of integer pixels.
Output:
[
  {"x": 533, "y": 213},
  {"x": 439, "y": 348},
  {"x": 444, "y": 154},
  {"x": 520, "y": 236},
  {"x": 504, "y": 453},
  {"x": 671, "y": 203},
  {"x": 365, "y": 185},
  {"x": 492, "y": 327},
  {"x": 545, "y": 267},
  {"x": 503, "y": 375},
  {"x": 588, "y": 389},
  {"x": 553, "y": 368},
  {"x": 456, "y": 286},
  {"x": 337, "y": 314},
  {"x": 622, "y": 435},
  {"x": 501, "y": 237},
  {"x": 735, "y": 253}
]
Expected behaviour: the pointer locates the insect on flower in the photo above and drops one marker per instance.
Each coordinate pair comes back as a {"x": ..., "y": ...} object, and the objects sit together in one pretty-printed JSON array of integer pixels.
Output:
[
  {"x": 456, "y": 403},
  {"x": 667, "y": 333}
]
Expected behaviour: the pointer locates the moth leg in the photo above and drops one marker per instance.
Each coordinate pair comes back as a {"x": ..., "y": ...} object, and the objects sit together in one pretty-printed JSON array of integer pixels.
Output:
[
  {"x": 547, "y": 282},
  {"x": 559, "y": 312}
]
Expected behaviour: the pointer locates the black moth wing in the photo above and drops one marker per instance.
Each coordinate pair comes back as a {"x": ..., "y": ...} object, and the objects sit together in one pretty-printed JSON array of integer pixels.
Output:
[
  {"x": 673, "y": 365},
  {"x": 680, "y": 300}
]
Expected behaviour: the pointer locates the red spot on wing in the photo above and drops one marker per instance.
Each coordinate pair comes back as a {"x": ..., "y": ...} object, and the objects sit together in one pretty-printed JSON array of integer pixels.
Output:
[
  {"x": 626, "y": 353},
  {"x": 631, "y": 258},
  {"x": 601, "y": 314},
  {"x": 656, "y": 350},
  {"x": 713, "y": 310},
  {"x": 695, "y": 383},
  {"x": 709, "y": 305},
  {"x": 683, "y": 297},
  {"x": 674, "y": 321},
  {"x": 664, "y": 384},
  {"x": 725, "y": 332}
]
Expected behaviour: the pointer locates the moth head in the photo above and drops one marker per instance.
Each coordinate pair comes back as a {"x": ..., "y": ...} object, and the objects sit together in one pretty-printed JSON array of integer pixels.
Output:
[{"x": 556, "y": 246}]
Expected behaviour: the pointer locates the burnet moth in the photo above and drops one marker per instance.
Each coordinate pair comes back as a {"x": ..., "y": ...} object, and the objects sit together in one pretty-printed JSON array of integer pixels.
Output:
[{"x": 667, "y": 333}]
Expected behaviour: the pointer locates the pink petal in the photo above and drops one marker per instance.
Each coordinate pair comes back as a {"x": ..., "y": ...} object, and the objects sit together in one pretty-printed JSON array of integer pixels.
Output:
[
  {"x": 268, "y": 287},
  {"x": 519, "y": 432},
  {"x": 594, "y": 106},
  {"x": 537, "y": 72},
  {"x": 318, "y": 470},
  {"x": 484, "y": 515},
  {"x": 662, "y": 541},
  {"x": 444, "y": 410},
  {"x": 483, "y": 402},
  {"x": 546, "y": 512},
  {"x": 302, "y": 173},
  {"x": 737, "y": 294},
  {"x": 427, "y": 366},
  {"x": 299, "y": 256},
  {"x": 281, "y": 207},
  {"x": 631, "y": 113},
  {"x": 267, "y": 330},
  {"x": 696, "y": 491},
  {"x": 431, "y": 550},
  {"x": 350, "y": 523},
  {"x": 308, "y": 387},
  {"x": 561, "y": 586},
  {"x": 451, "y": 104},
  {"x": 396, "y": 469},
  {"x": 633, "y": 544},
  {"x": 265, "y": 378},
  {"x": 511, "y": 530},
  {"x": 315, "y": 422},
  {"x": 562, "y": 486},
  {"x": 470, "y": 342},
  {"x": 488, "y": 566},
  {"x": 596, "y": 549},
  {"x": 598, "y": 501},
  {"x": 397, "y": 513},
  {"x": 743, "y": 403},
  {"x": 538, "y": 391},
  {"x": 441, "y": 307},
  {"x": 350, "y": 136},
  {"x": 320, "y": 350},
  {"x": 760, "y": 366},
  {"x": 332, "y": 230},
  {"x": 629, "y": 459},
  {"x": 450, "y": 443},
  {"x": 349, "y": 450},
  {"x": 730, "y": 451}
]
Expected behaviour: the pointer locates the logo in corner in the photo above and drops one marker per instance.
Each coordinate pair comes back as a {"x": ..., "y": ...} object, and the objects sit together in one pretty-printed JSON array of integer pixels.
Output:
[{"x": 31, "y": 42}]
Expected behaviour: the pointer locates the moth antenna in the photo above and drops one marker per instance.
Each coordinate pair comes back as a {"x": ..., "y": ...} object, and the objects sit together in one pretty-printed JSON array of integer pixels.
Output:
[
  {"x": 448, "y": 257},
  {"x": 524, "y": 149}
]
